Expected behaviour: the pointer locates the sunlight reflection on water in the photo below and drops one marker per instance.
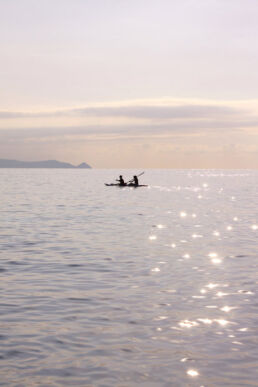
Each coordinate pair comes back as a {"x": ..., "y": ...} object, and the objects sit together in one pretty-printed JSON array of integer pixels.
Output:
[{"x": 105, "y": 286}]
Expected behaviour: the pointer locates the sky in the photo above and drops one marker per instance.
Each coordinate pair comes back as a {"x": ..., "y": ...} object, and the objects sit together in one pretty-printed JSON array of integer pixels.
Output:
[{"x": 130, "y": 83}]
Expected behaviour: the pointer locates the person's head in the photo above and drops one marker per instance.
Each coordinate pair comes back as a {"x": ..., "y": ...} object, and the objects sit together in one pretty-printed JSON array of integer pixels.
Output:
[
  {"x": 121, "y": 176},
  {"x": 135, "y": 176}
]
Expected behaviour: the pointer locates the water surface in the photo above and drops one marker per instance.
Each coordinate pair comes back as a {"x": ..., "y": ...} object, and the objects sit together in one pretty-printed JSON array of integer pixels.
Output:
[{"x": 107, "y": 286}]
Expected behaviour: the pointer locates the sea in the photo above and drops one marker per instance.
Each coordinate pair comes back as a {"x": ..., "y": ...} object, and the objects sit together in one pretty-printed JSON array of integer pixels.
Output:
[{"x": 109, "y": 286}]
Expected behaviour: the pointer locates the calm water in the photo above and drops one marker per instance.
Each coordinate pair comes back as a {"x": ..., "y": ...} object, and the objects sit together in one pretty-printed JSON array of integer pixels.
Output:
[{"x": 104, "y": 286}]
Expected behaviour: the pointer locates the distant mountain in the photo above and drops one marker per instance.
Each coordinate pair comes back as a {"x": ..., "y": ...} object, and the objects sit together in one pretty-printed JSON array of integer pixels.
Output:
[{"x": 39, "y": 164}]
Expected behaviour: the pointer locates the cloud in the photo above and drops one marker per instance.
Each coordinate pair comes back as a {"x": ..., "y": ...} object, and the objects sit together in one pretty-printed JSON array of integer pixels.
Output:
[
  {"x": 174, "y": 128},
  {"x": 161, "y": 118},
  {"x": 160, "y": 110},
  {"x": 171, "y": 128},
  {"x": 6, "y": 114}
]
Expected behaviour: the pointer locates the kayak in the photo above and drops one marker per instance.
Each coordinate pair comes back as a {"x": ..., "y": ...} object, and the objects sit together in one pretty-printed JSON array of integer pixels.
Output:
[
  {"x": 136, "y": 186},
  {"x": 126, "y": 185}
]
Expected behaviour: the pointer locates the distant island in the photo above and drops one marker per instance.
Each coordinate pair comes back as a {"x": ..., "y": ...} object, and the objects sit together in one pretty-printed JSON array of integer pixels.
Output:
[{"x": 39, "y": 164}]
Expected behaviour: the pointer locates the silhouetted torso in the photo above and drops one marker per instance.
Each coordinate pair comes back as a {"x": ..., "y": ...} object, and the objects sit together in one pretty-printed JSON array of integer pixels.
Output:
[
  {"x": 121, "y": 180},
  {"x": 135, "y": 179}
]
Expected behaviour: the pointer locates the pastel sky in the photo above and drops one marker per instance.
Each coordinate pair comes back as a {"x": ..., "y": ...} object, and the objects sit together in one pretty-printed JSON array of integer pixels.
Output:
[{"x": 130, "y": 83}]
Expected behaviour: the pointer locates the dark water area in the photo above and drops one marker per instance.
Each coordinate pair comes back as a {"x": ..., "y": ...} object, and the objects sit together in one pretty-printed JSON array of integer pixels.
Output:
[{"x": 108, "y": 286}]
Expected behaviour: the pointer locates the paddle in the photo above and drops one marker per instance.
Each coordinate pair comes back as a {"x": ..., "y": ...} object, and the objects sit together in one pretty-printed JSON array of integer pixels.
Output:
[{"x": 130, "y": 181}]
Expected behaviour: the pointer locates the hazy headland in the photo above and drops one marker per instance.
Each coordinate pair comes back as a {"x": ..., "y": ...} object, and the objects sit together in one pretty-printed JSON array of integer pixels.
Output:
[{"x": 4, "y": 163}]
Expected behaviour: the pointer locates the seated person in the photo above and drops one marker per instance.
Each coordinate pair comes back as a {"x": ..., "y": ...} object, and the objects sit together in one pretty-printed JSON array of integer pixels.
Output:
[
  {"x": 135, "y": 179},
  {"x": 121, "y": 180}
]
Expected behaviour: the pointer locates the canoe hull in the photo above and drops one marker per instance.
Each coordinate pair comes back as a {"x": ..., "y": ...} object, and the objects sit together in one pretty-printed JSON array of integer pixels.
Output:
[{"x": 127, "y": 185}]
